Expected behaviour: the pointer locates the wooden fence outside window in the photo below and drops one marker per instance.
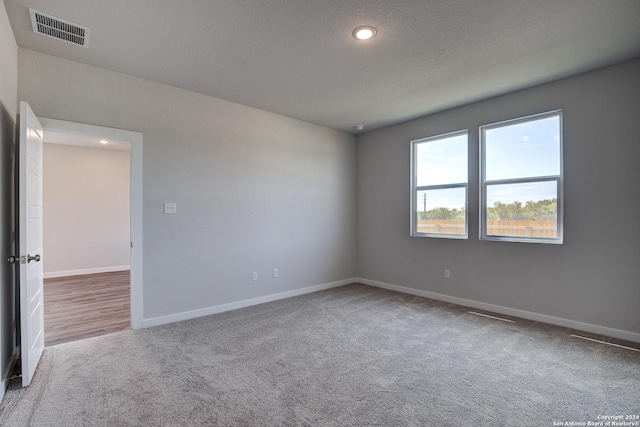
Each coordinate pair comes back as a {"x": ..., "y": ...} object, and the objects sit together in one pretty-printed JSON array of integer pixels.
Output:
[{"x": 545, "y": 229}]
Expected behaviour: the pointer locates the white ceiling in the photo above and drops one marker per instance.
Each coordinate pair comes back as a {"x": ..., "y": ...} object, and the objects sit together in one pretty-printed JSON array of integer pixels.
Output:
[{"x": 298, "y": 58}]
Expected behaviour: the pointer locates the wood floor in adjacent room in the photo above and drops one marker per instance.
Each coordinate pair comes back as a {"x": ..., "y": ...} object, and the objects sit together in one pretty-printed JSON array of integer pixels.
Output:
[{"x": 79, "y": 307}]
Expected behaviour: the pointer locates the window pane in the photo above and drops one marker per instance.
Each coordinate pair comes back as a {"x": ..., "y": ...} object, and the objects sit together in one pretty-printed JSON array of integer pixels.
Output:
[
  {"x": 523, "y": 210},
  {"x": 523, "y": 150},
  {"x": 442, "y": 161},
  {"x": 441, "y": 211}
]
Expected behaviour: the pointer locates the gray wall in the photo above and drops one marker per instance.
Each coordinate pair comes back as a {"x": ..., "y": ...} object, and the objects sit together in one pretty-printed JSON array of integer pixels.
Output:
[
  {"x": 8, "y": 110},
  {"x": 594, "y": 277},
  {"x": 255, "y": 190}
]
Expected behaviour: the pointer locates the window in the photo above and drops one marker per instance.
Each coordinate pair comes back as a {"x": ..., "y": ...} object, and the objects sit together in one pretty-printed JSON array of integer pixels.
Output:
[
  {"x": 521, "y": 182},
  {"x": 439, "y": 186}
]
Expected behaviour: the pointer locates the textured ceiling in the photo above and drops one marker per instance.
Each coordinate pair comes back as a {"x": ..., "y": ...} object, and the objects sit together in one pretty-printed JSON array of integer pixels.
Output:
[{"x": 298, "y": 58}]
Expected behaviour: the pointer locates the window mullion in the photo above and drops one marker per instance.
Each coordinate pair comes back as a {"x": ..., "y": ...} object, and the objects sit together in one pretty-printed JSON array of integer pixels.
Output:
[
  {"x": 523, "y": 180},
  {"x": 440, "y": 187}
]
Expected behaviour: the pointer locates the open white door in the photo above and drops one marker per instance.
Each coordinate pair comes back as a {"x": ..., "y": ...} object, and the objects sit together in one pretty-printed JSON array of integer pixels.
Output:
[{"x": 30, "y": 220}]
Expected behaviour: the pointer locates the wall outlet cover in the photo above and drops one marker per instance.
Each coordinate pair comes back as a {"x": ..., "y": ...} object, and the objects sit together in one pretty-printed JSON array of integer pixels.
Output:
[{"x": 170, "y": 208}]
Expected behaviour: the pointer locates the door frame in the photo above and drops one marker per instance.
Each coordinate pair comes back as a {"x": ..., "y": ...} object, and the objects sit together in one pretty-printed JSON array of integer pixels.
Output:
[{"x": 135, "y": 156}]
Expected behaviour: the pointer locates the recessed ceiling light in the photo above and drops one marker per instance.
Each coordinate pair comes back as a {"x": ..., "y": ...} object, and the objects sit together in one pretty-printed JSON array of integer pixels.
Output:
[
  {"x": 359, "y": 127},
  {"x": 103, "y": 141},
  {"x": 364, "y": 32}
]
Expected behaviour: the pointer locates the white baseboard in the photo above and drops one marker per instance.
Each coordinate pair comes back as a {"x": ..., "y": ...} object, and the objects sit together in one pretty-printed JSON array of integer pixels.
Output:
[
  {"x": 86, "y": 271},
  {"x": 155, "y": 321},
  {"x": 558, "y": 321}
]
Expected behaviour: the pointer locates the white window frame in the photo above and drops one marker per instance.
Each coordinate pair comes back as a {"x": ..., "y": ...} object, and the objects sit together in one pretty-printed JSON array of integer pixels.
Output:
[
  {"x": 415, "y": 188},
  {"x": 559, "y": 179}
]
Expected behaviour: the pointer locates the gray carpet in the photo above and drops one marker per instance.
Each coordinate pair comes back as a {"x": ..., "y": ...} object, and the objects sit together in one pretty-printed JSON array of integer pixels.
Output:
[{"x": 354, "y": 355}]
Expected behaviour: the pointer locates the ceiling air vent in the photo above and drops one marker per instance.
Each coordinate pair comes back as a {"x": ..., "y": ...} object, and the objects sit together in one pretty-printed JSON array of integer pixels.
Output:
[{"x": 59, "y": 29}]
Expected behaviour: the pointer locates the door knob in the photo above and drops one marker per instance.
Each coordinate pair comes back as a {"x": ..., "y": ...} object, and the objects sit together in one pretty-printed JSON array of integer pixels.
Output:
[{"x": 35, "y": 258}]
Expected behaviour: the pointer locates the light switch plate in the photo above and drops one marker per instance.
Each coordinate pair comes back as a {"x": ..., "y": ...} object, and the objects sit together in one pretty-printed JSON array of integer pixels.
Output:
[{"x": 170, "y": 208}]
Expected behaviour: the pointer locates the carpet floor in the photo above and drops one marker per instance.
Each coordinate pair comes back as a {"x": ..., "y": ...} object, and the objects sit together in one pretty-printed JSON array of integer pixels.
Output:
[{"x": 350, "y": 356}]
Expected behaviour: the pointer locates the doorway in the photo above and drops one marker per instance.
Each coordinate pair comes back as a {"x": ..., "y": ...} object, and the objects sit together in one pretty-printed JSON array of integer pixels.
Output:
[
  {"x": 86, "y": 238},
  {"x": 124, "y": 287}
]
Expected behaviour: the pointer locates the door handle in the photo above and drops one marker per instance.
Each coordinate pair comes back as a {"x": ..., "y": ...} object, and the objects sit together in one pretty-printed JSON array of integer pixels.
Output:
[{"x": 35, "y": 258}]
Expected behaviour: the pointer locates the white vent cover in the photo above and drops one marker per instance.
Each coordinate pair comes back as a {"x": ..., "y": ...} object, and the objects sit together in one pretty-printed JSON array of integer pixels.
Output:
[{"x": 59, "y": 29}]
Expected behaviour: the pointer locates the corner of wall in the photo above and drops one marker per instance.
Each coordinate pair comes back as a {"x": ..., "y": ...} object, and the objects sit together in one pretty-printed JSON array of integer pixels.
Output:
[{"x": 8, "y": 111}]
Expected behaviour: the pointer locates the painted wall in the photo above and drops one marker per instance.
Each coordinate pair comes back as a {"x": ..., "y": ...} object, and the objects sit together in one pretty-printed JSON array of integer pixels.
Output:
[
  {"x": 8, "y": 111},
  {"x": 594, "y": 277},
  {"x": 254, "y": 190},
  {"x": 86, "y": 210}
]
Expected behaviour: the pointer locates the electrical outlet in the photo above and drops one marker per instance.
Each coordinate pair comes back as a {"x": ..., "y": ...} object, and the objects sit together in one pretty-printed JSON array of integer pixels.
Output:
[
  {"x": 276, "y": 273},
  {"x": 447, "y": 273},
  {"x": 254, "y": 276},
  {"x": 170, "y": 208}
]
